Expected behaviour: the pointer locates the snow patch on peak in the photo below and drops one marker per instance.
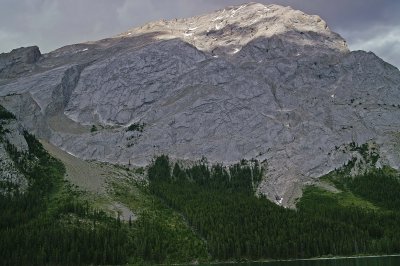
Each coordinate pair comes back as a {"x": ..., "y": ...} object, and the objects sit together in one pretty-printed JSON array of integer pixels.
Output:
[{"x": 237, "y": 26}]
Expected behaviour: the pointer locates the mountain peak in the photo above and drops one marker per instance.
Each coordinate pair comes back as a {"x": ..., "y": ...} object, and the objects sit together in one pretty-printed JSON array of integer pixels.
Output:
[{"x": 227, "y": 31}]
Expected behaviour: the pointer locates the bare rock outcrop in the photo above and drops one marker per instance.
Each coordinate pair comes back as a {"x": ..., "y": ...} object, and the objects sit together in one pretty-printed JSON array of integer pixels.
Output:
[{"x": 18, "y": 61}]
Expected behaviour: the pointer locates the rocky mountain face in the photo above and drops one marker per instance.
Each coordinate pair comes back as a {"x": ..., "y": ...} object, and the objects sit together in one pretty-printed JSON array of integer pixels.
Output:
[
  {"x": 249, "y": 81},
  {"x": 18, "y": 61},
  {"x": 11, "y": 178}
]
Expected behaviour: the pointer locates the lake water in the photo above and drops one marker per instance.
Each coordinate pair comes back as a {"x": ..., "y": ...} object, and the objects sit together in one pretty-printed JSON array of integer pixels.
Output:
[{"x": 366, "y": 261}]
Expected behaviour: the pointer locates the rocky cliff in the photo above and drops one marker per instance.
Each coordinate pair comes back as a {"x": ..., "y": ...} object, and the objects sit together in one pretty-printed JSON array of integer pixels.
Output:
[
  {"x": 12, "y": 141},
  {"x": 249, "y": 81}
]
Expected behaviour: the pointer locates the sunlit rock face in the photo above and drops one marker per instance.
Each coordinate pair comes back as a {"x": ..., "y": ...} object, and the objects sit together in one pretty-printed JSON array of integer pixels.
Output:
[{"x": 249, "y": 81}]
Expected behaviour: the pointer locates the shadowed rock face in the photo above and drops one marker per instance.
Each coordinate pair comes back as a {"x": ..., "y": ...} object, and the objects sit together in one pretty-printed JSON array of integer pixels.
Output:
[
  {"x": 249, "y": 81},
  {"x": 18, "y": 61}
]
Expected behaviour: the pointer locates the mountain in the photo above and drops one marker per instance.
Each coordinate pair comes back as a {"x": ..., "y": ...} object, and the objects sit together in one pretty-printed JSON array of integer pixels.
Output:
[{"x": 251, "y": 81}]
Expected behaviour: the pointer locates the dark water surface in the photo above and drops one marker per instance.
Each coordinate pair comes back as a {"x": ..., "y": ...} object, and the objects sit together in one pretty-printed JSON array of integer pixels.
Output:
[{"x": 366, "y": 261}]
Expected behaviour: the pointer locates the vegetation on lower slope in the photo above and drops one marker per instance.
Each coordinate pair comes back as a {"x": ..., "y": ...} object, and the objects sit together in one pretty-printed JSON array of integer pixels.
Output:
[
  {"x": 53, "y": 223},
  {"x": 193, "y": 214},
  {"x": 379, "y": 186},
  {"x": 238, "y": 225},
  {"x": 49, "y": 223},
  {"x": 161, "y": 234}
]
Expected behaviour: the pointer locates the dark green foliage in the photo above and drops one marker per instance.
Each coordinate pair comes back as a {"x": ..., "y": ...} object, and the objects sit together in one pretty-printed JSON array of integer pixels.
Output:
[
  {"x": 93, "y": 128},
  {"x": 160, "y": 235},
  {"x": 161, "y": 169},
  {"x": 178, "y": 173},
  {"x": 156, "y": 242},
  {"x": 378, "y": 186},
  {"x": 373, "y": 231},
  {"x": 136, "y": 127},
  {"x": 363, "y": 149},
  {"x": 46, "y": 241},
  {"x": 241, "y": 177},
  {"x": 6, "y": 115},
  {"x": 49, "y": 224},
  {"x": 220, "y": 204},
  {"x": 370, "y": 156}
]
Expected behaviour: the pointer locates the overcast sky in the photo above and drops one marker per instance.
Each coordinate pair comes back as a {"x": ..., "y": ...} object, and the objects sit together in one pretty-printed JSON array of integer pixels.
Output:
[{"x": 371, "y": 25}]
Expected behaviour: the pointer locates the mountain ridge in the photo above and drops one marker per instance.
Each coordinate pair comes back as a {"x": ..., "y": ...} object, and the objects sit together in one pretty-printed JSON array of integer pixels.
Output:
[{"x": 227, "y": 30}]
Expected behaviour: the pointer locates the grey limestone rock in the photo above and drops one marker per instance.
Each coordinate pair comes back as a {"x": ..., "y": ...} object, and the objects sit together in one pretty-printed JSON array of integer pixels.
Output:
[{"x": 250, "y": 81}]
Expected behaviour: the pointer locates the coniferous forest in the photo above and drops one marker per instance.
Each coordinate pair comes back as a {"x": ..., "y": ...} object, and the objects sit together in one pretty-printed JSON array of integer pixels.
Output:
[
  {"x": 48, "y": 224},
  {"x": 216, "y": 216},
  {"x": 220, "y": 205}
]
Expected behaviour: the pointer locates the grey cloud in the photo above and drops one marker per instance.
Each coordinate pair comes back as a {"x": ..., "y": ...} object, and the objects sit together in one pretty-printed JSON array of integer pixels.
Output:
[
  {"x": 382, "y": 40},
  {"x": 53, "y": 23}
]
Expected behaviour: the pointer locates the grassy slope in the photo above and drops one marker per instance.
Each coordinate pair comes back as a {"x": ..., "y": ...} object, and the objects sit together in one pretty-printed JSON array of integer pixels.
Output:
[{"x": 342, "y": 198}]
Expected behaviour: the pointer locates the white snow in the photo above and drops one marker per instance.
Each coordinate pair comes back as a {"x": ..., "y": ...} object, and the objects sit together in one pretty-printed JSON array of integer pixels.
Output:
[
  {"x": 187, "y": 34},
  {"x": 70, "y": 153},
  {"x": 333, "y": 96},
  {"x": 191, "y": 29},
  {"x": 235, "y": 50},
  {"x": 218, "y": 26},
  {"x": 233, "y": 12},
  {"x": 240, "y": 7},
  {"x": 79, "y": 51},
  {"x": 217, "y": 18}
]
